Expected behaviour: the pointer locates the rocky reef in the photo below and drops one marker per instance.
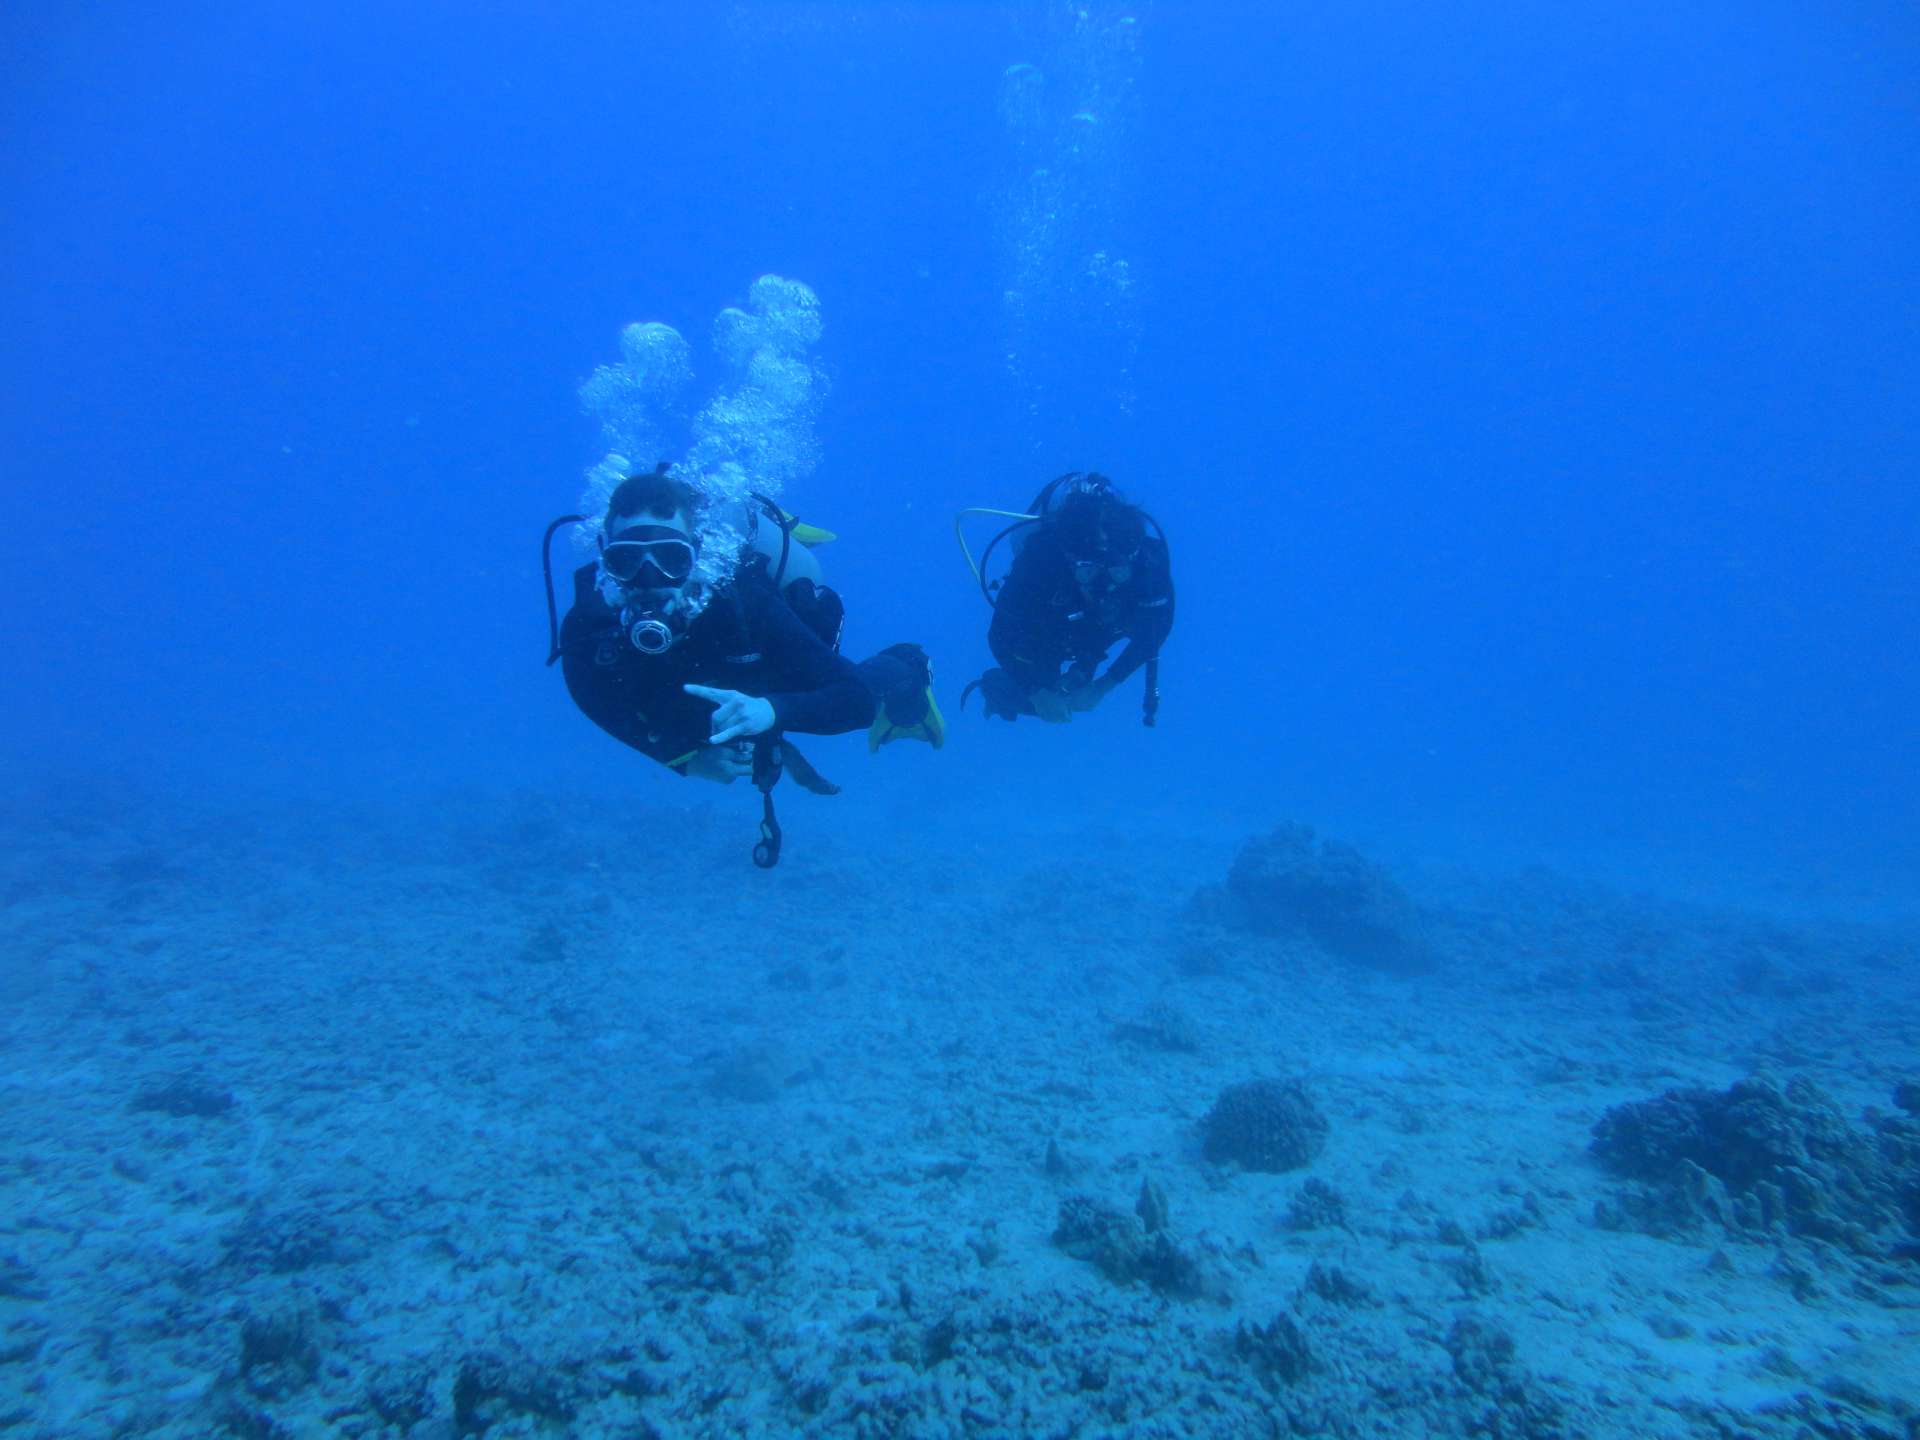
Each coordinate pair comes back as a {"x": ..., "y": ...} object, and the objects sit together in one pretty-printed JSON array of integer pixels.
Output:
[
  {"x": 1295, "y": 884},
  {"x": 1269, "y": 1125},
  {"x": 1138, "y": 1249},
  {"x": 1759, "y": 1158}
]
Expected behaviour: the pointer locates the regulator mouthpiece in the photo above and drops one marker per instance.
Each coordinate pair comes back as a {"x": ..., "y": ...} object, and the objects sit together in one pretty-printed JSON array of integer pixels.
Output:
[{"x": 651, "y": 636}]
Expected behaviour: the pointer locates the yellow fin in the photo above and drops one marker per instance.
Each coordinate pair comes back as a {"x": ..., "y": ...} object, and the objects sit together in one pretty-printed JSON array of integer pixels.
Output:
[
  {"x": 931, "y": 727},
  {"x": 805, "y": 534}
]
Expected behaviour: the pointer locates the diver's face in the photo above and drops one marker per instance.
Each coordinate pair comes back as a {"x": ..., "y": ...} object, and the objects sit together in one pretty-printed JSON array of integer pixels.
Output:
[
  {"x": 1102, "y": 560},
  {"x": 649, "y": 551}
]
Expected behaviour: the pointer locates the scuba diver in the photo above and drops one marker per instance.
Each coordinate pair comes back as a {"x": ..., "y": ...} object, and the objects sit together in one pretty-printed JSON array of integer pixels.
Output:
[
  {"x": 709, "y": 679},
  {"x": 1089, "y": 570}
]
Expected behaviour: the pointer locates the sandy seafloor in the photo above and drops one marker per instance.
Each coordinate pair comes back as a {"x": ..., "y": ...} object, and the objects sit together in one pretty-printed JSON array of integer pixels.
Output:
[{"x": 341, "y": 1120}]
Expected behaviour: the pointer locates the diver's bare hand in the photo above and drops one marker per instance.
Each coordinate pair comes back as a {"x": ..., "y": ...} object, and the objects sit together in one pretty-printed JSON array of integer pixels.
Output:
[
  {"x": 1088, "y": 695},
  {"x": 1051, "y": 706},
  {"x": 722, "y": 764}
]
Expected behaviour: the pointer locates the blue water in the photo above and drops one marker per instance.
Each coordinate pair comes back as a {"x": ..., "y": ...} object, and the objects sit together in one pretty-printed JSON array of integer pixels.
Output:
[{"x": 1531, "y": 395}]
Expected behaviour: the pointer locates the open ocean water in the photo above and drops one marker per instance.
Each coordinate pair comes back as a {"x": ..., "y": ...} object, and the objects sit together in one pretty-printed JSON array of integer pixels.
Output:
[{"x": 1485, "y": 1000}]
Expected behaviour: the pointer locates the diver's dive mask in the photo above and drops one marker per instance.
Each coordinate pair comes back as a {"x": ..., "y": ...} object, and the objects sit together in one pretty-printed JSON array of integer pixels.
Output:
[
  {"x": 651, "y": 567},
  {"x": 648, "y": 556},
  {"x": 1104, "y": 573}
]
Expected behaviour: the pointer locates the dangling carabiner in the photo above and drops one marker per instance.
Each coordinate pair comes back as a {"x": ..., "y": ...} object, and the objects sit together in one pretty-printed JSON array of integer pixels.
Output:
[
  {"x": 766, "y": 775},
  {"x": 766, "y": 851}
]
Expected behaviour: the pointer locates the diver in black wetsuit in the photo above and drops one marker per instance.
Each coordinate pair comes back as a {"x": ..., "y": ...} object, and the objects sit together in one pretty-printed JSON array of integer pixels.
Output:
[
  {"x": 704, "y": 680},
  {"x": 1089, "y": 571}
]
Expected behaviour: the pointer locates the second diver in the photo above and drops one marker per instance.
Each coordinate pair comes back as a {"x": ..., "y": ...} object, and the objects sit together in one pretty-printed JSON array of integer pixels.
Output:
[{"x": 1090, "y": 571}]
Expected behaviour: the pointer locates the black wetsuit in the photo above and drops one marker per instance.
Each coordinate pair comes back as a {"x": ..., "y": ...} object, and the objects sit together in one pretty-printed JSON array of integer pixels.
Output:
[
  {"x": 1043, "y": 622},
  {"x": 747, "y": 639}
]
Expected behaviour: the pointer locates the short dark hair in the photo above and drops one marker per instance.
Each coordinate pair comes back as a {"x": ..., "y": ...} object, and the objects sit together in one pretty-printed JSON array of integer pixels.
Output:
[
  {"x": 652, "y": 492},
  {"x": 1097, "y": 524}
]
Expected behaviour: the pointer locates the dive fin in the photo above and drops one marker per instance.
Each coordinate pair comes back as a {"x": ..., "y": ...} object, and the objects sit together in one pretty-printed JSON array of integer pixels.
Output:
[
  {"x": 805, "y": 534},
  {"x": 802, "y": 771},
  {"x": 903, "y": 677},
  {"x": 931, "y": 726}
]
